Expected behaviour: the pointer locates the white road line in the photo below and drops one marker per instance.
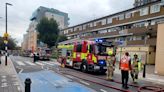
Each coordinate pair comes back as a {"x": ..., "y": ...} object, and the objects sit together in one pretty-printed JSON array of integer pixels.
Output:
[
  {"x": 84, "y": 82},
  {"x": 55, "y": 63},
  {"x": 3, "y": 80},
  {"x": 69, "y": 76},
  {"x": 15, "y": 83},
  {"x": 3, "y": 76},
  {"x": 40, "y": 63},
  {"x": 21, "y": 71},
  {"x": 20, "y": 63},
  {"x": 48, "y": 63},
  {"x": 4, "y": 85},
  {"x": 103, "y": 90},
  {"x": 18, "y": 87},
  {"x": 30, "y": 63}
]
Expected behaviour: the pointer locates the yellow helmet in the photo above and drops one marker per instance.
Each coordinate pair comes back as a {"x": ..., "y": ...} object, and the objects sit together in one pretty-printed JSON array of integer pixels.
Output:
[{"x": 110, "y": 52}]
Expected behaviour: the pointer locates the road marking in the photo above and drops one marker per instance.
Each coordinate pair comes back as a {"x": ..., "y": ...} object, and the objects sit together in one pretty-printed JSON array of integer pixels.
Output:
[
  {"x": 21, "y": 71},
  {"x": 39, "y": 63},
  {"x": 55, "y": 63},
  {"x": 3, "y": 80},
  {"x": 15, "y": 83},
  {"x": 20, "y": 63},
  {"x": 84, "y": 82},
  {"x": 18, "y": 87},
  {"x": 3, "y": 76},
  {"x": 4, "y": 85},
  {"x": 47, "y": 63},
  {"x": 30, "y": 63},
  {"x": 69, "y": 76},
  {"x": 103, "y": 90}
]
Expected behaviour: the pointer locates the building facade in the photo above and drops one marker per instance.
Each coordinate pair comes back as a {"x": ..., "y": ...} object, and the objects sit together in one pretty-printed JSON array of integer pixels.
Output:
[
  {"x": 30, "y": 41},
  {"x": 133, "y": 30}
]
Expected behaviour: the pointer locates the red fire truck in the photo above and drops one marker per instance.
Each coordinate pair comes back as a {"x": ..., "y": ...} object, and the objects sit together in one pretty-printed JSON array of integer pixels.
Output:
[{"x": 86, "y": 56}]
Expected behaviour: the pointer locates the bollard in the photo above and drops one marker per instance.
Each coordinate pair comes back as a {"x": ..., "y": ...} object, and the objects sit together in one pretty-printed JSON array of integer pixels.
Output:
[
  {"x": 144, "y": 71},
  {"x": 28, "y": 85}
]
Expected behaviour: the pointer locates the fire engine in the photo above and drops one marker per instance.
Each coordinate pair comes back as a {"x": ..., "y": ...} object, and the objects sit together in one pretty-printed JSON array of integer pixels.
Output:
[{"x": 85, "y": 55}]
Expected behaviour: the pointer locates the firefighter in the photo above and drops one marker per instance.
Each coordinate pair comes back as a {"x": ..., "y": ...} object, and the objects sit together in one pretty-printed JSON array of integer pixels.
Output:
[
  {"x": 125, "y": 66},
  {"x": 110, "y": 66},
  {"x": 136, "y": 67}
]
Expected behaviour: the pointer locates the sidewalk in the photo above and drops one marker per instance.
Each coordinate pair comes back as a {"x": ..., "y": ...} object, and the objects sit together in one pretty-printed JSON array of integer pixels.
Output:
[
  {"x": 9, "y": 81},
  {"x": 150, "y": 75}
]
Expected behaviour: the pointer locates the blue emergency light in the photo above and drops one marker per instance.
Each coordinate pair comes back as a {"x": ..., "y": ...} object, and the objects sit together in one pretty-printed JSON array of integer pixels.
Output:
[{"x": 99, "y": 40}]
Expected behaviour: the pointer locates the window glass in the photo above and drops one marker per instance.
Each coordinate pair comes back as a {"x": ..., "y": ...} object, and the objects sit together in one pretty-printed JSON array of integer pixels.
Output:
[
  {"x": 79, "y": 47},
  {"x": 155, "y": 8},
  {"x": 144, "y": 11},
  {"x": 121, "y": 17},
  {"x": 109, "y": 20},
  {"x": 128, "y": 15}
]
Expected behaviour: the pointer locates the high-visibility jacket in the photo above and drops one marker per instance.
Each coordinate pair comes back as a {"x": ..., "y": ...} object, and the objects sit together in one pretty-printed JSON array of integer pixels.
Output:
[
  {"x": 136, "y": 64},
  {"x": 124, "y": 63}
]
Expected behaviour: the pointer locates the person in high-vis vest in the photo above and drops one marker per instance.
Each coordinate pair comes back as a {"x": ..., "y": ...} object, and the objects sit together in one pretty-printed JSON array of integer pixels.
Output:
[
  {"x": 125, "y": 66},
  {"x": 110, "y": 66},
  {"x": 136, "y": 67}
]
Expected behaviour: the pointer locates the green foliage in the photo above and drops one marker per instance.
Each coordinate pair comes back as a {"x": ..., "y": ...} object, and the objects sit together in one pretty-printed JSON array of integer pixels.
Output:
[
  {"x": 11, "y": 44},
  {"x": 62, "y": 38},
  {"x": 48, "y": 31}
]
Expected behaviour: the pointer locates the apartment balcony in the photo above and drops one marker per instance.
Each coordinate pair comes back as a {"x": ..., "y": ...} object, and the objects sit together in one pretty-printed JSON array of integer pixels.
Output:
[
  {"x": 143, "y": 30},
  {"x": 150, "y": 42}
]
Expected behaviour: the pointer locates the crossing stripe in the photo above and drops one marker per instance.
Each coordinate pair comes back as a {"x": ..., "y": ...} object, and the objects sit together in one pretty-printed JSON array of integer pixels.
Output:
[
  {"x": 20, "y": 63},
  {"x": 30, "y": 63},
  {"x": 56, "y": 63},
  {"x": 48, "y": 63},
  {"x": 39, "y": 63}
]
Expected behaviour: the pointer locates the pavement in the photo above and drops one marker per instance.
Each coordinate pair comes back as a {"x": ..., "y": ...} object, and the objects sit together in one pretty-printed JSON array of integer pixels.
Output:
[
  {"x": 150, "y": 75},
  {"x": 9, "y": 81}
]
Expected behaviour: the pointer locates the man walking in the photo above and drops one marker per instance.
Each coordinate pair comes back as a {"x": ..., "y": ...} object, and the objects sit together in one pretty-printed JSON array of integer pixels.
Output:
[{"x": 125, "y": 66}]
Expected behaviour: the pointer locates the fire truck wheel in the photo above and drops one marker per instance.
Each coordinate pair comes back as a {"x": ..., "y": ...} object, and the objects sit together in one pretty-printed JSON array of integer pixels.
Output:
[{"x": 84, "y": 67}]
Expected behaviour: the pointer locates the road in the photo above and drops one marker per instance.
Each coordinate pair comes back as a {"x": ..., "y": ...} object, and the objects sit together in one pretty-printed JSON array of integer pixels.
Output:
[{"x": 95, "y": 82}]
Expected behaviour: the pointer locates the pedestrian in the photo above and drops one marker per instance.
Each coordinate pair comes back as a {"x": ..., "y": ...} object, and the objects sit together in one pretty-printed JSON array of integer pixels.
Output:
[
  {"x": 136, "y": 67},
  {"x": 35, "y": 57},
  {"x": 125, "y": 66},
  {"x": 0, "y": 57},
  {"x": 110, "y": 66}
]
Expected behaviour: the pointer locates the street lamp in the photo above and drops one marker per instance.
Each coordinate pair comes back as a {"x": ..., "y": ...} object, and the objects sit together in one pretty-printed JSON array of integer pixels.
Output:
[{"x": 6, "y": 38}]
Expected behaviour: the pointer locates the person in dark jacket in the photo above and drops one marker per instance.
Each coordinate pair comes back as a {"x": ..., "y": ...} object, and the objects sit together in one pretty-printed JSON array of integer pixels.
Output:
[{"x": 35, "y": 57}]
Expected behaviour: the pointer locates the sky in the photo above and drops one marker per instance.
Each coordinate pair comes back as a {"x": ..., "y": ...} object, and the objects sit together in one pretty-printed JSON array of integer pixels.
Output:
[{"x": 79, "y": 11}]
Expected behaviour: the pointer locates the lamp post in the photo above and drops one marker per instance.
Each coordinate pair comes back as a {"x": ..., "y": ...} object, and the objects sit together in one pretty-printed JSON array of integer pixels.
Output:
[{"x": 6, "y": 34}]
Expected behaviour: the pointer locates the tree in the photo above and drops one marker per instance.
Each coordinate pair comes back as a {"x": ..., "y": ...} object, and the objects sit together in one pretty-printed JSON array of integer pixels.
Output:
[
  {"x": 48, "y": 31},
  {"x": 62, "y": 38},
  {"x": 11, "y": 43}
]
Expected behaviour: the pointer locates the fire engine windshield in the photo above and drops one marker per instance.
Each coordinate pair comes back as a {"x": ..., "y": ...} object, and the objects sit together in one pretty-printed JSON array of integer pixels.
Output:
[{"x": 100, "y": 49}]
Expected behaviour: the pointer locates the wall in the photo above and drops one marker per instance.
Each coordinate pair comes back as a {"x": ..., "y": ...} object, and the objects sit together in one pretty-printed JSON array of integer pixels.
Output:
[{"x": 159, "y": 67}]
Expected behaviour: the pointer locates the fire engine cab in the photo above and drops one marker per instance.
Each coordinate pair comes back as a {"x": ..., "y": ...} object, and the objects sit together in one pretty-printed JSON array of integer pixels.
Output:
[{"x": 87, "y": 56}]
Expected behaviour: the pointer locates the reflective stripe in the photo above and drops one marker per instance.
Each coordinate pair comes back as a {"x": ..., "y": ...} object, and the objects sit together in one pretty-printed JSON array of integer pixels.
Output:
[
  {"x": 74, "y": 54},
  {"x": 94, "y": 58}
]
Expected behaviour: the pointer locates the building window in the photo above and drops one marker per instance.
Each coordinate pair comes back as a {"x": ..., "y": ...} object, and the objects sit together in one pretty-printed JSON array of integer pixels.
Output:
[
  {"x": 103, "y": 21},
  {"x": 128, "y": 15},
  {"x": 109, "y": 20},
  {"x": 121, "y": 17},
  {"x": 103, "y": 31},
  {"x": 155, "y": 8},
  {"x": 144, "y": 11}
]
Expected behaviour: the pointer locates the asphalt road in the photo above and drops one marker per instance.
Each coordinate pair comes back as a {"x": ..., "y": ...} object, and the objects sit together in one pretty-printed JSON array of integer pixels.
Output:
[{"x": 93, "y": 81}]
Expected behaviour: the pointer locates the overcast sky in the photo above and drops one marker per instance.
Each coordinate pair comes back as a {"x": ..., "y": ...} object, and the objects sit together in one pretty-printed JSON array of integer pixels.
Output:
[{"x": 79, "y": 11}]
